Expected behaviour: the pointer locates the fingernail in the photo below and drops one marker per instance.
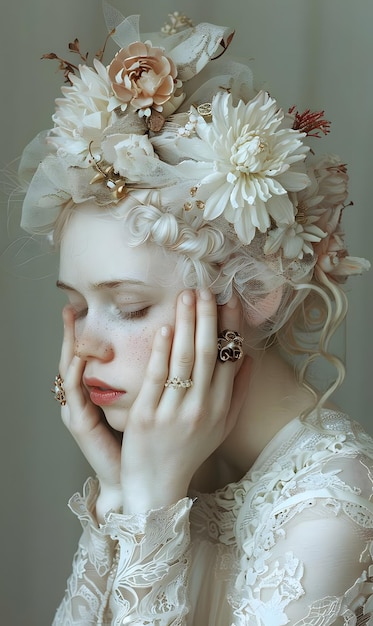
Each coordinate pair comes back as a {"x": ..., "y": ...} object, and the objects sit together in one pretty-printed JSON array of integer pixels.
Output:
[
  {"x": 205, "y": 294},
  {"x": 165, "y": 331},
  {"x": 188, "y": 298}
]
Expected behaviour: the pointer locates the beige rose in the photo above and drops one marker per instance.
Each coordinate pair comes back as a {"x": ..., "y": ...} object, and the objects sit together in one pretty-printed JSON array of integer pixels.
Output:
[
  {"x": 142, "y": 76},
  {"x": 333, "y": 181}
]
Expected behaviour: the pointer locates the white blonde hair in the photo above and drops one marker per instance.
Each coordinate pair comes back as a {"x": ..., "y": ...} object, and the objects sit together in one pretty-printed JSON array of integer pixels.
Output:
[{"x": 280, "y": 303}]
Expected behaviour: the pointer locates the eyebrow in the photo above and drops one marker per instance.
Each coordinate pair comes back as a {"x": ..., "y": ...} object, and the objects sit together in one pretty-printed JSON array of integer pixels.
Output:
[{"x": 107, "y": 284}]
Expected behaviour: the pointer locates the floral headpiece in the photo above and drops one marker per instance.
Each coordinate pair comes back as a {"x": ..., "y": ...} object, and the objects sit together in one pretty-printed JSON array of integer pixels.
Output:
[{"x": 170, "y": 114}]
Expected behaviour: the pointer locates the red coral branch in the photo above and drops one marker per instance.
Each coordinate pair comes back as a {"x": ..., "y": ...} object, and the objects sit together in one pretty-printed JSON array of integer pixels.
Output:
[{"x": 308, "y": 122}]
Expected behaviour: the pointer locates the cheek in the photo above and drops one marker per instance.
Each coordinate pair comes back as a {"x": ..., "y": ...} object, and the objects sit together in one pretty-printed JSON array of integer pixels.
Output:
[
  {"x": 138, "y": 347},
  {"x": 139, "y": 339}
]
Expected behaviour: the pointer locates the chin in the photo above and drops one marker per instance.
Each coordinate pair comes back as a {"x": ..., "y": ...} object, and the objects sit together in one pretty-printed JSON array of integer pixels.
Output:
[{"x": 116, "y": 418}]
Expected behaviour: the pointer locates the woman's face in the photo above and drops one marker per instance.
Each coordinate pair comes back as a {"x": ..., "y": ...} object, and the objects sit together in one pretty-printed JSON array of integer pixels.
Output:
[{"x": 119, "y": 302}]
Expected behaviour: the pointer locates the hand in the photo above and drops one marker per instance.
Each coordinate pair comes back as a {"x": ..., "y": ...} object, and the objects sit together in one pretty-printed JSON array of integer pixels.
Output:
[
  {"x": 86, "y": 422},
  {"x": 171, "y": 432}
]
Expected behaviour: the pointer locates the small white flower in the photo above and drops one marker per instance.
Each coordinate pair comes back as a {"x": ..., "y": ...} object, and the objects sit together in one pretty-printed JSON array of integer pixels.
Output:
[
  {"x": 294, "y": 239},
  {"x": 126, "y": 153}
]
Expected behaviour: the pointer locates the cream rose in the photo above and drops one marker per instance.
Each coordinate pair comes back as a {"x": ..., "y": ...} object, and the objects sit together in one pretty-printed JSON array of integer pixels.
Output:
[{"x": 143, "y": 76}]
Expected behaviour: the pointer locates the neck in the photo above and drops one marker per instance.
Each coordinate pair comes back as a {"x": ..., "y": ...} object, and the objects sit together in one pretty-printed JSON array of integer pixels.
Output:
[{"x": 273, "y": 399}]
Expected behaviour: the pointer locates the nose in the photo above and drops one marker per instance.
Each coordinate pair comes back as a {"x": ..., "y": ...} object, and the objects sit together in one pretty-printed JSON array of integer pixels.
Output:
[{"x": 92, "y": 341}]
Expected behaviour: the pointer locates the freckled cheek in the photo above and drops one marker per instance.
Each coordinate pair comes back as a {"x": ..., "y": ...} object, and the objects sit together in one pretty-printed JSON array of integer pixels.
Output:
[
  {"x": 138, "y": 348},
  {"x": 139, "y": 342}
]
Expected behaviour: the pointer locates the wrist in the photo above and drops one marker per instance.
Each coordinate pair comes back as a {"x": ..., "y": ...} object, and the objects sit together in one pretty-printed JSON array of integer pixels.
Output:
[
  {"x": 137, "y": 499},
  {"x": 109, "y": 499}
]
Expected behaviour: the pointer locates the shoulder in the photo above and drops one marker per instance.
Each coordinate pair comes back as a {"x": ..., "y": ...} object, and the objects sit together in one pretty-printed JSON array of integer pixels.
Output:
[
  {"x": 323, "y": 434},
  {"x": 325, "y": 445},
  {"x": 335, "y": 432},
  {"x": 311, "y": 441},
  {"x": 325, "y": 457},
  {"x": 307, "y": 517}
]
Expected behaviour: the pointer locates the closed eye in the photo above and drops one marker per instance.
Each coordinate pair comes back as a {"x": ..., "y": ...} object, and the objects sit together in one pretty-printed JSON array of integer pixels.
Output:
[{"x": 130, "y": 315}]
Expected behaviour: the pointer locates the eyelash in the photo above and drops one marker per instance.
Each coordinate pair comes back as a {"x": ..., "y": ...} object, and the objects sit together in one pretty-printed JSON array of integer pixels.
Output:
[
  {"x": 126, "y": 315},
  {"x": 131, "y": 315}
]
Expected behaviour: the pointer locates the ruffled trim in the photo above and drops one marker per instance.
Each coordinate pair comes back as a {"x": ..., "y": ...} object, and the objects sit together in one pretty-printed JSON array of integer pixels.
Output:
[
  {"x": 152, "y": 564},
  {"x": 83, "y": 505},
  {"x": 155, "y": 520},
  {"x": 97, "y": 544}
]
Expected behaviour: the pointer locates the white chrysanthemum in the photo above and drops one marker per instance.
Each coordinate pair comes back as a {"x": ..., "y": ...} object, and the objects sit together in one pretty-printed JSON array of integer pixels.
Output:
[
  {"x": 246, "y": 160},
  {"x": 83, "y": 114}
]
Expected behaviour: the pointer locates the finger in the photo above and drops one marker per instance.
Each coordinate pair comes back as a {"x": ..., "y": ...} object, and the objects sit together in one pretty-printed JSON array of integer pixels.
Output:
[
  {"x": 205, "y": 340},
  {"x": 76, "y": 395},
  {"x": 67, "y": 350},
  {"x": 155, "y": 374},
  {"x": 230, "y": 318},
  {"x": 182, "y": 353},
  {"x": 87, "y": 425},
  {"x": 230, "y": 315},
  {"x": 85, "y": 421},
  {"x": 72, "y": 376}
]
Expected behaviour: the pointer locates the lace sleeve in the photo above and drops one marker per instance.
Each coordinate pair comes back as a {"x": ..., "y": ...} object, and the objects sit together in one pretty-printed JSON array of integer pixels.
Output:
[
  {"x": 152, "y": 566},
  {"x": 132, "y": 569},
  {"x": 90, "y": 582}
]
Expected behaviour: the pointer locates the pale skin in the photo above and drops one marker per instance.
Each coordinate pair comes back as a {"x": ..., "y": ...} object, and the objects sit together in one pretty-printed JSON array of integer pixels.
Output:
[{"x": 129, "y": 332}]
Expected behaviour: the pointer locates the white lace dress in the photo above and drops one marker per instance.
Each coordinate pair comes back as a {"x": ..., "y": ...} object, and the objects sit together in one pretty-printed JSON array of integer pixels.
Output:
[{"x": 290, "y": 543}]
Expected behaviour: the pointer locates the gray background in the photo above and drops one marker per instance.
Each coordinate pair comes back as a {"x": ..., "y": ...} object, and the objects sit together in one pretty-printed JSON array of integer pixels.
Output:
[{"x": 313, "y": 53}]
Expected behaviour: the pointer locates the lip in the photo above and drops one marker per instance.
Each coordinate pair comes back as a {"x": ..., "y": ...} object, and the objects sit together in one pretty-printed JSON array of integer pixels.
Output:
[{"x": 101, "y": 393}]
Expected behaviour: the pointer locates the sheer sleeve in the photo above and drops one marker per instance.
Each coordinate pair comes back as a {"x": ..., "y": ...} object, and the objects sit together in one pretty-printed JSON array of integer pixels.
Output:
[
  {"x": 90, "y": 582},
  {"x": 308, "y": 561},
  {"x": 131, "y": 570},
  {"x": 150, "y": 585}
]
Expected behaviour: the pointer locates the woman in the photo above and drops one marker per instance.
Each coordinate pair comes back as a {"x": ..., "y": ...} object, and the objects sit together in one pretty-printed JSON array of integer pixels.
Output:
[{"x": 201, "y": 244}]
